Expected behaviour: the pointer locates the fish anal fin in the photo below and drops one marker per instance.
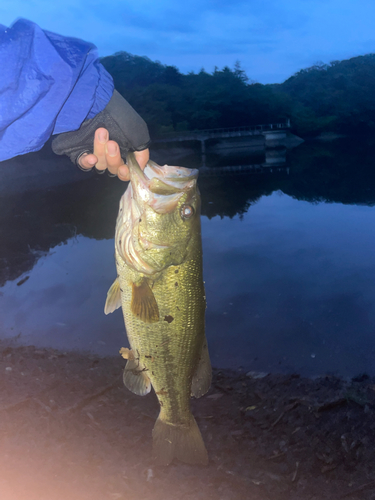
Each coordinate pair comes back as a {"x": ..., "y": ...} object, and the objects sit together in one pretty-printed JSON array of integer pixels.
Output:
[
  {"x": 143, "y": 303},
  {"x": 203, "y": 373},
  {"x": 135, "y": 378},
  {"x": 183, "y": 442},
  {"x": 113, "y": 301}
]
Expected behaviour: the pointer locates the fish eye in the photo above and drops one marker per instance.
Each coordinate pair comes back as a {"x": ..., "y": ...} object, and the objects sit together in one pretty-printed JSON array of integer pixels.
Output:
[{"x": 187, "y": 211}]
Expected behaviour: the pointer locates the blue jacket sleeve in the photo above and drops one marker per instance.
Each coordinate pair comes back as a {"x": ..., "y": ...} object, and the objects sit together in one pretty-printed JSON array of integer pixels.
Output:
[{"x": 49, "y": 84}]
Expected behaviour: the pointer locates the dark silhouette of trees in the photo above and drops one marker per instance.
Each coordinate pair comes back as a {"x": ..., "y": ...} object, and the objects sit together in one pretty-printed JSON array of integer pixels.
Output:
[
  {"x": 336, "y": 97},
  {"x": 170, "y": 101}
]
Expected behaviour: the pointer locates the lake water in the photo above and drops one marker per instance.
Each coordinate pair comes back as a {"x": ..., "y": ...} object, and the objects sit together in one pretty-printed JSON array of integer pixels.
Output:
[{"x": 289, "y": 264}]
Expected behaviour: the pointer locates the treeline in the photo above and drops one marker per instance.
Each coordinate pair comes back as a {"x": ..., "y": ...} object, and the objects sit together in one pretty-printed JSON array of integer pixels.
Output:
[{"x": 337, "y": 97}]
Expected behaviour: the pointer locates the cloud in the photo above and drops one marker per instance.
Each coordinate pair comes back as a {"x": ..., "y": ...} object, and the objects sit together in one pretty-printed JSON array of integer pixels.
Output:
[{"x": 272, "y": 38}]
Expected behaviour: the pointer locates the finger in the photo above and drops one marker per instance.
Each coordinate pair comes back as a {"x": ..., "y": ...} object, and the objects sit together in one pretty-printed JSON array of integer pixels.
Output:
[
  {"x": 87, "y": 161},
  {"x": 100, "y": 142},
  {"x": 142, "y": 157},
  {"x": 123, "y": 173},
  {"x": 113, "y": 157}
]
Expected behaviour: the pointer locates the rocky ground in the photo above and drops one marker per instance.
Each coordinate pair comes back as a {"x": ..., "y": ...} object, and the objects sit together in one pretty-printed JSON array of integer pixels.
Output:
[{"x": 70, "y": 430}]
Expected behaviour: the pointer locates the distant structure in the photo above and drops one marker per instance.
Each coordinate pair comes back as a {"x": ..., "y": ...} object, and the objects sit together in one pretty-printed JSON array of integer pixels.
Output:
[
  {"x": 272, "y": 138},
  {"x": 272, "y": 132},
  {"x": 275, "y": 161}
]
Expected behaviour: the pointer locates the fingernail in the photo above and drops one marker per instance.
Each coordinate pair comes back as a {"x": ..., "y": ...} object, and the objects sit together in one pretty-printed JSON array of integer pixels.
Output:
[
  {"x": 103, "y": 136},
  {"x": 91, "y": 161},
  {"x": 112, "y": 149}
]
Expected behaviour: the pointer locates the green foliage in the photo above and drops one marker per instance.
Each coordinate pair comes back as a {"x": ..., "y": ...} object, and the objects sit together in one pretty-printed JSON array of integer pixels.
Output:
[
  {"x": 171, "y": 101},
  {"x": 335, "y": 97}
]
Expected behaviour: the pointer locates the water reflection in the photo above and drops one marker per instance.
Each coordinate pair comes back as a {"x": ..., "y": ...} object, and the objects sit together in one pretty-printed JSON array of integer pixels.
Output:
[
  {"x": 292, "y": 289},
  {"x": 33, "y": 222},
  {"x": 62, "y": 303},
  {"x": 289, "y": 279}
]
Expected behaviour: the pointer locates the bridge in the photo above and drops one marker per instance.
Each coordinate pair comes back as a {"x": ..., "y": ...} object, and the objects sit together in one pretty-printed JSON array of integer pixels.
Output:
[
  {"x": 242, "y": 169},
  {"x": 271, "y": 132}
]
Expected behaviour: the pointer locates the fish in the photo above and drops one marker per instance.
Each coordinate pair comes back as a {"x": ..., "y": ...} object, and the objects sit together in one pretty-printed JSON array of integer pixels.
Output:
[{"x": 159, "y": 285}]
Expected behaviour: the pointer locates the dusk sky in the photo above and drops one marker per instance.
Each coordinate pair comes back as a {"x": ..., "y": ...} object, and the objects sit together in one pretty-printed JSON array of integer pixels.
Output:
[{"x": 272, "y": 39}]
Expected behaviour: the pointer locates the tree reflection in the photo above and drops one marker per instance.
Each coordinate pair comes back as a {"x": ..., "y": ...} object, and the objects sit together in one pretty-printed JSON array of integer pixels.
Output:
[{"x": 33, "y": 222}]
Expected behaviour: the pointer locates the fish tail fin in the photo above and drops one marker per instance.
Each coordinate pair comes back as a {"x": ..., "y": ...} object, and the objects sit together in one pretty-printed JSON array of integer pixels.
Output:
[{"x": 183, "y": 442}]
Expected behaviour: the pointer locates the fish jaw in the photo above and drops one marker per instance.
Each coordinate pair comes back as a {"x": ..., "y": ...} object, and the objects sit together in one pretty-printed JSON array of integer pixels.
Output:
[
  {"x": 149, "y": 232},
  {"x": 126, "y": 238},
  {"x": 160, "y": 187}
]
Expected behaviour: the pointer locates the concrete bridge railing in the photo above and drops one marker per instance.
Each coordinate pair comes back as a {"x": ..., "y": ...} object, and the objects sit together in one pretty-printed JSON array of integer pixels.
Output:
[{"x": 221, "y": 133}]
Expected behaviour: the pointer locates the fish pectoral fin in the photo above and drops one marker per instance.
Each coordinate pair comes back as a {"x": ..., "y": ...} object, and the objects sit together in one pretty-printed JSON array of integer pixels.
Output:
[
  {"x": 113, "y": 301},
  {"x": 203, "y": 373},
  {"x": 135, "y": 378},
  {"x": 143, "y": 303}
]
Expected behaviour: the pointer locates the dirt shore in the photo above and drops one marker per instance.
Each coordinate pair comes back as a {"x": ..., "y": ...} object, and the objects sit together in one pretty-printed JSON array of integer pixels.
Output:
[{"x": 70, "y": 430}]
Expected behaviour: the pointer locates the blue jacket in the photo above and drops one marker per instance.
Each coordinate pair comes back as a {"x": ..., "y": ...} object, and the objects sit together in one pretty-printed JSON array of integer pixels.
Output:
[{"x": 49, "y": 84}]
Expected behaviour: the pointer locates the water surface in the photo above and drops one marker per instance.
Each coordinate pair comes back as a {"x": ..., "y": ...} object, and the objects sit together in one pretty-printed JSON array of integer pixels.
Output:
[{"x": 289, "y": 265}]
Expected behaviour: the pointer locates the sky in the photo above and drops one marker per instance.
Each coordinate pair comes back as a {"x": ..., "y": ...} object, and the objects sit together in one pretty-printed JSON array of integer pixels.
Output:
[{"x": 272, "y": 39}]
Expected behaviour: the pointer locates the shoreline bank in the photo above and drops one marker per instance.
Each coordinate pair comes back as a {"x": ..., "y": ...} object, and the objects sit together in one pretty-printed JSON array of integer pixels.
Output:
[{"x": 70, "y": 429}]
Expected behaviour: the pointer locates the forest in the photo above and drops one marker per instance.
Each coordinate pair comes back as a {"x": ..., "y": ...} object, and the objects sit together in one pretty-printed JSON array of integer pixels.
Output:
[{"x": 337, "y": 97}]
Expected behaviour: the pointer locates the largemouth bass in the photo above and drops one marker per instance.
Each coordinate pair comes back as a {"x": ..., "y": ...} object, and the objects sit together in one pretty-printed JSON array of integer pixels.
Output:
[{"x": 160, "y": 287}]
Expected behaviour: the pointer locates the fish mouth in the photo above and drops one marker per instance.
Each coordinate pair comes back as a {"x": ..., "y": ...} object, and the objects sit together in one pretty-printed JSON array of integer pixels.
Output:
[
  {"x": 174, "y": 177},
  {"x": 160, "y": 187}
]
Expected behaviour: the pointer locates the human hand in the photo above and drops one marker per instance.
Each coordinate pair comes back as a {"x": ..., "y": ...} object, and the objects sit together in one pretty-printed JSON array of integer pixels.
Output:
[
  {"x": 127, "y": 129},
  {"x": 107, "y": 155}
]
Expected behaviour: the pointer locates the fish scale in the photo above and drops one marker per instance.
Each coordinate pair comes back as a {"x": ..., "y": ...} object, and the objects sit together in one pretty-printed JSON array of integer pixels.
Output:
[
  {"x": 158, "y": 253},
  {"x": 174, "y": 347}
]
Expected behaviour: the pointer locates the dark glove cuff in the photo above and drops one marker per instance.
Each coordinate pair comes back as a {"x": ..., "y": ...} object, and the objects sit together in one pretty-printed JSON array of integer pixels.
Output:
[
  {"x": 123, "y": 123},
  {"x": 142, "y": 146}
]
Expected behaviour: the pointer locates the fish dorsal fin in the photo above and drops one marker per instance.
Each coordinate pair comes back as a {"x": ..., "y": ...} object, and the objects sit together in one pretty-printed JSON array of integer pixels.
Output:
[
  {"x": 143, "y": 304},
  {"x": 202, "y": 376},
  {"x": 135, "y": 378},
  {"x": 113, "y": 301}
]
